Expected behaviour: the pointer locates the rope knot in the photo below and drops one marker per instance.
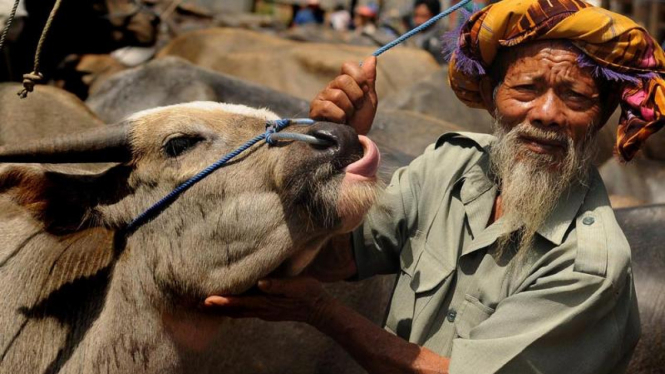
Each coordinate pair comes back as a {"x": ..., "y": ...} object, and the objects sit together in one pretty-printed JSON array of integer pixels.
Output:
[
  {"x": 273, "y": 127},
  {"x": 29, "y": 81}
]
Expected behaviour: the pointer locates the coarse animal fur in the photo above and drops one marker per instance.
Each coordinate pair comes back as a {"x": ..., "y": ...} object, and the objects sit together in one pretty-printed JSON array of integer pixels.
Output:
[{"x": 80, "y": 296}]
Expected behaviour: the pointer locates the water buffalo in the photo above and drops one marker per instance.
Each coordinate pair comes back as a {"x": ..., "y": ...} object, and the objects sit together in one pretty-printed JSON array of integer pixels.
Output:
[
  {"x": 49, "y": 112},
  {"x": 641, "y": 178},
  {"x": 299, "y": 69},
  {"x": 643, "y": 227},
  {"x": 82, "y": 295}
]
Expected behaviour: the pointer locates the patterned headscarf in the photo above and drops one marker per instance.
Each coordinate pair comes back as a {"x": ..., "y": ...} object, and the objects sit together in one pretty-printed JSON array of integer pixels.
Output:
[{"x": 619, "y": 49}]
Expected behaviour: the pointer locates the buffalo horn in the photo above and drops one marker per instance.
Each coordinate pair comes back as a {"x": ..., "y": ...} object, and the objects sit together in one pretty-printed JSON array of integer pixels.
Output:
[{"x": 106, "y": 144}]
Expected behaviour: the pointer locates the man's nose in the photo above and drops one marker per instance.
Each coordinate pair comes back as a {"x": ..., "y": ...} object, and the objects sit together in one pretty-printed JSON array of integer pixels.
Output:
[{"x": 547, "y": 111}]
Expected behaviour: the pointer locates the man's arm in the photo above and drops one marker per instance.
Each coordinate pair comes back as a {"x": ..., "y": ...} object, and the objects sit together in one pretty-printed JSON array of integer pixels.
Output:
[
  {"x": 304, "y": 300},
  {"x": 374, "y": 348}
]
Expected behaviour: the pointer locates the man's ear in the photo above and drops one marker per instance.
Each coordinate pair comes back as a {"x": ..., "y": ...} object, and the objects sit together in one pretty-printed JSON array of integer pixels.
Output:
[{"x": 487, "y": 86}]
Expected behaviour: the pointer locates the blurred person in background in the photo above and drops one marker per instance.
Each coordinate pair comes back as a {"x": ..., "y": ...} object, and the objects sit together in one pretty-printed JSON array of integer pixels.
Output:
[
  {"x": 340, "y": 18},
  {"x": 430, "y": 38},
  {"x": 367, "y": 26},
  {"x": 365, "y": 18},
  {"x": 312, "y": 13}
]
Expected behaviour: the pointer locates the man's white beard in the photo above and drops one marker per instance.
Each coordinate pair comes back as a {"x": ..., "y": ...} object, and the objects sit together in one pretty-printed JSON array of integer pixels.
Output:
[{"x": 532, "y": 183}]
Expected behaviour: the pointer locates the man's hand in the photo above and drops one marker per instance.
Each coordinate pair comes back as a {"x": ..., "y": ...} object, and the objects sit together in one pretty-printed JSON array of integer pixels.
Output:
[
  {"x": 350, "y": 98},
  {"x": 298, "y": 299},
  {"x": 303, "y": 299}
]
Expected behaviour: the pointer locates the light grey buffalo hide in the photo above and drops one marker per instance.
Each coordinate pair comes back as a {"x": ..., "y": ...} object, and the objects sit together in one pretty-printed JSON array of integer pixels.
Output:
[
  {"x": 640, "y": 180},
  {"x": 643, "y": 227},
  {"x": 401, "y": 134}
]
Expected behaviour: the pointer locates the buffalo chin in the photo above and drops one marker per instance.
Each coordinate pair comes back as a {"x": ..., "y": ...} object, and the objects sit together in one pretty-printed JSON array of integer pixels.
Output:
[{"x": 354, "y": 201}]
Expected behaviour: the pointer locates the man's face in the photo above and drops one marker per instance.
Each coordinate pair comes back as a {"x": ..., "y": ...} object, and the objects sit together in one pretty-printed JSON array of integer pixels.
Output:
[
  {"x": 547, "y": 110},
  {"x": 544, "y": 87},
  {"x": 421, "y": 14}
]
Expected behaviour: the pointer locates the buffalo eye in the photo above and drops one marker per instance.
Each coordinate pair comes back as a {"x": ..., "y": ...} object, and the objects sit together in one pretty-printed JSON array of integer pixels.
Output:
[{"x": 176, "y": 146}]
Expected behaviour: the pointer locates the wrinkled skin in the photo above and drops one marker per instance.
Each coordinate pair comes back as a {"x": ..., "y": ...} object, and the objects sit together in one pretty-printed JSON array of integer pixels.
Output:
[
  {"x": 82, "y": 297},
  {"x": 434, "y": 97},
  {"x": 544, "y": 87}
]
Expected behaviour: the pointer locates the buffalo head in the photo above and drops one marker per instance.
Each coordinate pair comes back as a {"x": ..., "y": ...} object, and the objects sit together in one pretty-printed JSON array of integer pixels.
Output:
[{"x": 267, "y": 211}]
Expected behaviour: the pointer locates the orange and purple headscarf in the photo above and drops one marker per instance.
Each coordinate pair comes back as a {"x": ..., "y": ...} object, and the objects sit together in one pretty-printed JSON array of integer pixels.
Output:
[{"x": 617, "y": 49}]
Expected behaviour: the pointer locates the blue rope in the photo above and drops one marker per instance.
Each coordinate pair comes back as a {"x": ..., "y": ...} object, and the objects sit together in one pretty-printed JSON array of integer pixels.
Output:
[
  {"x": 420, "y": 28},
  {"x": 271, "y": 128}
]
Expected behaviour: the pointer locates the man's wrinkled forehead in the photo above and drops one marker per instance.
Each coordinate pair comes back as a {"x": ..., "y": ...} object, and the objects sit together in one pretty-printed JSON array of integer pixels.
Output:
[{"x": 509, "y": 56}]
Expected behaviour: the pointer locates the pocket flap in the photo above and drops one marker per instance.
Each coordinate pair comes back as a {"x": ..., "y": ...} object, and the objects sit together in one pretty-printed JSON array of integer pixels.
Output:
[
  {"x": 470, "y": 315},
  {"x": 408, "y": 257},
  {"x": 429, "y": 272}
]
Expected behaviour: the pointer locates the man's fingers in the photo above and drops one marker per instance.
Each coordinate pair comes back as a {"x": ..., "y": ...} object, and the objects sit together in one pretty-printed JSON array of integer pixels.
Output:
[
  {"x": 236, "y": 304},
  {"x": 340, "y": 99},
  {"x": 350, "y": 88},
  {"x": 364, "y": 76},
  {"x": 216, "y": 301},
  {"x": 353, "y": 70},
  {"x": 324, "y": 110}
]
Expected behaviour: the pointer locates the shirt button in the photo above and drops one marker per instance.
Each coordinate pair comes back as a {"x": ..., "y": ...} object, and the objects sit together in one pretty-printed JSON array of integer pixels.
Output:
[
  {"x": 588, "y": 221},
  {"x": 451, "y": 315}
]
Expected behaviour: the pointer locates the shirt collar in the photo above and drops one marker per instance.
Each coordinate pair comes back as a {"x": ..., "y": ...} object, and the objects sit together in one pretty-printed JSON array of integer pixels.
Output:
[
  {"x": 556, "y": 225},
  {"x": 476, "y": 182}
]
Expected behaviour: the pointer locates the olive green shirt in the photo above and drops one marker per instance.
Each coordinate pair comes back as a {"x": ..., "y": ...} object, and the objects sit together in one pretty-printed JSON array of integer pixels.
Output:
[{"x": 569, "y": 306}]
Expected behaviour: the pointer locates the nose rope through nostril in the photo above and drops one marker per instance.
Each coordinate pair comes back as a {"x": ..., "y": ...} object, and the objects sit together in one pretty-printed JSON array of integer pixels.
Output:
[
  {"x": 272, "y": 134},
  {"x": 301, "y": 137}
]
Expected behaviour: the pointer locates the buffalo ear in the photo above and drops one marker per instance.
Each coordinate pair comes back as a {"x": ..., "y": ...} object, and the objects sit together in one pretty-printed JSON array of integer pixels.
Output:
[{"x": 63, "y": 201}]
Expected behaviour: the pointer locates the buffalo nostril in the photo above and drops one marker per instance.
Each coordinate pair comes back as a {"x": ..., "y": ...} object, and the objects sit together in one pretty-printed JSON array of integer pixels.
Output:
[{"x": 330, "y": 141}]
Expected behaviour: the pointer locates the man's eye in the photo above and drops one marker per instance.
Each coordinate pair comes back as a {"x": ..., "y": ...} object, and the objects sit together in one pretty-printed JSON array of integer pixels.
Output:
[
  {"x": 526, "y": 87},
  {"x": 576, "y": 96}
]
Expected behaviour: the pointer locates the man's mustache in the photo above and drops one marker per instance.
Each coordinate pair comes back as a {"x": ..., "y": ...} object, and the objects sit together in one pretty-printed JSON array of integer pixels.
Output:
[{"x": 531, "y": 132}]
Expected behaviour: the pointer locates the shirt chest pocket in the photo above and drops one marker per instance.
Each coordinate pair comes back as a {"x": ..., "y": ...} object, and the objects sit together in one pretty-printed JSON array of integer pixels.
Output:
[
  {"x": 424, "y": 267},
  {"x": 470, "y": 315},
  {"x": 422, "y": 273}
]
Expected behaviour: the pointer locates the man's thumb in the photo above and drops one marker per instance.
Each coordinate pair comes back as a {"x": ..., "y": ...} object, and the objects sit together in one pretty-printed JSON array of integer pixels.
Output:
[{"x": 369, "y": 68}]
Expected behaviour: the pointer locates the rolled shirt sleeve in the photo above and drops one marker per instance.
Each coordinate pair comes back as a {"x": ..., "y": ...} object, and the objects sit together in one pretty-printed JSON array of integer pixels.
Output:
[{"x": 563, "y": 321}]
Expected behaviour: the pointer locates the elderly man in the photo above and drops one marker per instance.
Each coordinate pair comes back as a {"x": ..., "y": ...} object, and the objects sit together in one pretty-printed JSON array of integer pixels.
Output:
[{"x": 509, "y": 257}]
